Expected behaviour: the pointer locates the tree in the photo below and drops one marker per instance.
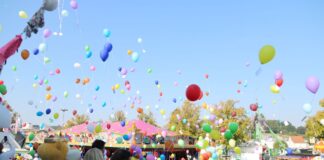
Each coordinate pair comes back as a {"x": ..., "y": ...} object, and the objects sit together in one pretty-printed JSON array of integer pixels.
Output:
[
  {"x": 147, "y": 118},
  {"x": 280, "y": 145},
  {"x": 118, "y": 116},
  {"x": 301, "y": 130},
  {"x": 314, "y": 128},
  {"x": 321, "y": 102},
  {"x": 76, "y": 120},
  {"x": 244, "y": 122},
  {"x": 190, "y": 113}
]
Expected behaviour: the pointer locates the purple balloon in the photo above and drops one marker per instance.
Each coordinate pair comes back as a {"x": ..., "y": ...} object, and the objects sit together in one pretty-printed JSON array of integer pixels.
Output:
[
  {"x": 74, "y": 4},
  {"x": 312, "y": 84},
  {"x": 278, "y": 75},
  {"x": 212, "y": 117},
  {"x": 47, "y": 33},
  {"x": 150, "y": 157}
]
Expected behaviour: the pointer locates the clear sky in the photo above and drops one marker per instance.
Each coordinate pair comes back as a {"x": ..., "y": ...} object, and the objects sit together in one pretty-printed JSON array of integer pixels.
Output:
[{"x": 196, "y": 37}]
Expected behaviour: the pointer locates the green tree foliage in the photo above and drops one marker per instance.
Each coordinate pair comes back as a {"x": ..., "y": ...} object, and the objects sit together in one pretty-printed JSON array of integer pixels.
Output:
[
  {"x": 118, "y": 116},
  {"x": 187, "y": 111},
  {"x": 313, "y": 126},
  {"x": 76, "y": 120},
  {"x": 301, "y": 130},
  {"x": 147, "y": 118},
  {"x": 225, "y": 113},
  {"x": 280, "y": 145}
]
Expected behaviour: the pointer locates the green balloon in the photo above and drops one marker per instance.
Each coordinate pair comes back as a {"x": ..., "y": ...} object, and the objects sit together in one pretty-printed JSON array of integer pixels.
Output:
[
  {"x": 206, "y": 127},
  {"x": 31, "y": 137},
  {"x": 32, "y": 153},
  {"x": 266, "y": 54},
  {"x": 119, "y": 140},
  {"x": 233, "y": 126},
  {"x": 3, "y": 89},
  {"x": 228, "y": 135},
  {"x": 173, "y": 128}
]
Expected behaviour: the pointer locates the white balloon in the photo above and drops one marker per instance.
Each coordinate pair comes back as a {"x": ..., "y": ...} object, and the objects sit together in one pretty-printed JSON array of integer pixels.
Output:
[
  {"x": 322, "y": 121},
  {"x": 5, "y": 117},
  {"x": 73, "y": 154},
  {"x": 139, "y": 40},
  {"x": 77, "y": 96},
  {"x": 42, "y": 47},
  {"x": 77, "y": 65},
  {"x": 307, "y": 108},
  {"x": 286, "y": 123},
  {"x": 65, "y": 13}
]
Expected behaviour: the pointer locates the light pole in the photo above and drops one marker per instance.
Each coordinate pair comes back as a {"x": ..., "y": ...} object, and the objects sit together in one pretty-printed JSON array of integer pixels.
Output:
[{"x": 63, "y": 110}]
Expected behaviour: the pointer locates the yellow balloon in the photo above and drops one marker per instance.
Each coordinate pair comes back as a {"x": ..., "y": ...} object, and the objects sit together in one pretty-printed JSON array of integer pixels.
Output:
[
  {"x": 274, "y": 89},
  {"x": 129, "y": 52},
  {"x": 48, "y": 97},
  {"x": 237, "y": 150},
  {"x": 266, "y": 54},
  {"x": 158, "y": 86},
  {"x": 162, "y": 112},
  {"x": 232, "y": 143},
  {"x": 122, "y": 91},
  {"x": 34, "y": 85},
  {"x": 56, "y": 116},
  {"x": 204, "y": 105},
  {"x": 23, "y": 14},
  {"x": 117, "y": 86},
  {"x": 219, "y": 152}
]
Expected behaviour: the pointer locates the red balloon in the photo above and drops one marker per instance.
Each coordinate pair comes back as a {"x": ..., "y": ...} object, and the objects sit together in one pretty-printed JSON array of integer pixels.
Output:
[
  {"x": 234, "y": 114},
  {"x": 58, "y": 71},
  {"x": 201, "y": 95},
  {"x": 1, "y": 82},
  {"x": 206, "y": 76},
  {"x": 238, "y": 91},
  {"x": 279, "y": 82},
  {"x": 193, "y": 92},
  {"x": 254, "y": 107},
  {"x": 223, "y": 129},
  {"x": 74, "y": 112},
  {"x": 108, "y": 126},
  {"x": 161, "y": 94}
]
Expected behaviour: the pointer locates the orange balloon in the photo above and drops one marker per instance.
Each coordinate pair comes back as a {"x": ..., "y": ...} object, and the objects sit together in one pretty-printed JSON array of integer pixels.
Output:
[
  {"x": 86, "y": 81},
  {"x": 207, "y": 94},
  {"x": 48, "y": 88},
  {"x": 24, "y": 54},
  {"x": 139, "y": 110}
]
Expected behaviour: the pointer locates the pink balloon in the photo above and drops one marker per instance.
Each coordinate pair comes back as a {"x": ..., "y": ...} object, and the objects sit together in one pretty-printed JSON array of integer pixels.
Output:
[
  {"x": 74, "y": 4},
  {"x": 150, "y": 157},
  {"x": 92, "y": 68},
  {"x": 278, "y": 75},
  {"x": 164, "y": 133},
  {"x": 47, "y": 33},
  {"x": 312, "y": 84}
]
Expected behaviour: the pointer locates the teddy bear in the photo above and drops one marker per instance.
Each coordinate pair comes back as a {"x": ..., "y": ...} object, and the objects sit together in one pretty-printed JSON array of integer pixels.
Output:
[{"x": 53, "y": 149}]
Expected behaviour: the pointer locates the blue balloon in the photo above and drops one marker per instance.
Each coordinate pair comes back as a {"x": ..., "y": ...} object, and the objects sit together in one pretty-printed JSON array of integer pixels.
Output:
[
  {"x": 108, "y": 47},
  {"x": 135, "y": 57},
  {"x": 122, "y": 123},
  {"x": 126, "y": 137},
  {"x": 214, "y": 156},
  {"x": 289, "y": 151},
  {"x": 156, "y": 82},
  {"x": 174, "y": 100},
  {"x": 42, "y": 126},
  {"x": 162, "y": 157},
  {"x": 36, "y": 51},
  {"x": 184, "y": 121},
  {"x": 97, "y": 88},
  {"x": 120, "y": 69},
  {"x": 90, "y": 110},
  {"x": 104, "y": 104},
  {"x": 104, "y": 54},
  {"x": 39, "y": 113},
  {"x": 48, "y": 111},
  {"x": 106, "y": 33},
  {"x": 88, "y": 54}
]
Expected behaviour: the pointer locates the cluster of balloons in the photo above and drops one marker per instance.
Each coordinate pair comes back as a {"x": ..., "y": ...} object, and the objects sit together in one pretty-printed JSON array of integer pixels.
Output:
[{"x": 275, "y": 88}]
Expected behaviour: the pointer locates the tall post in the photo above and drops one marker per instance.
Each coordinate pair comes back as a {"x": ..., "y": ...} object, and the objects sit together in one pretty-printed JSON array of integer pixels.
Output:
[{"x": 63, "y": 110}]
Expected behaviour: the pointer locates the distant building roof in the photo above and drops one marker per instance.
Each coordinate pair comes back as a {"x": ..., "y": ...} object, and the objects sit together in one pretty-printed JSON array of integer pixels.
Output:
[{"x": 297, "y": 139}]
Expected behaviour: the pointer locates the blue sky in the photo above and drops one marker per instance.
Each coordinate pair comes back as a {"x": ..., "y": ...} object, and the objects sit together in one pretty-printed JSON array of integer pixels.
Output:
[{"x": 197, "y": 37}]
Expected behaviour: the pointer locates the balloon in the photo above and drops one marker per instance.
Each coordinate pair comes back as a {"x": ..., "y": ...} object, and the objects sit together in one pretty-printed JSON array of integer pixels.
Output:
[
  {"x": 14, "y": 68},
  {"x": 74, "y": 112},
  {"x": 92, "y": 68},
  {"x": 48, "y": 111},
  {"x": 3, "y": 89},
  {"x": 232, "y": 143},
  {"x": 106, "y": 33},
  {"x": 104, "y": 54},
  {"x": 174, "y": 100},
  {"x": 307, "y": 108},
  {"x": 173, "y": 128},
  {"x": 42, "y": 47},
  {"x": 65, "y": 13},
  {"x": 193, "y": 92},
  {"x": 274, "y": 89},
  {"x": 279, "y": 82},
  {"x": 289, "y": 151},
  {"x": 254, "y": 107},
  {"x": 129, "y": 52},
  {"x": 135, "y": 57},
  {"x": 184, "y": 121},
  {"x": 233, "y": 126},
  {"x": 50, "y": 5},
  {"x": 266, "y": 54},
  {"x": 90, "y": 110},
  {"x": 228, "y": 135},
  {"x": 57, "y": 71},
  {"x": 88, "y": 54},
  {"x": 126, "y": 137},
  {"x": 312, "y": 84},
  {"x": 150, "y": 157},
  {"x": 73, "y": 154},
  {"x": 123, "y": 123},
  {"x": 36, "y": 51},
  {"x": 233, "y": 114},
  {"x": 47, "y": 60},
  {"x": 139, "y": 110},
  {"x": 5, "y": 117},
  {"x": 164, "y": 133},
  {"x": 90, "y": 128},
  {"x": 65, "y": 94},
  {"x": 237, "y": 150},
  {"x": 47, "y": 33},
  {"x": 56, "y": 116},
  {"x": 206, "y": 127},
  {"x": 286, "y": 123},
  {"x": 215, "y": 134},
  {"x": 98, "y": 128},
  {"x": 162, "y": 157},
  {"x": 108, "y": 126},
  {"x": 74, "y": 4},
  {"x": 24, "y": 54},
  {"x": 322, "y": 121},
  {"x": 123, "y": 71},
  {"x": 278, "y": 75},
  {"x": 149, "y": 71},
  {"x": 119, "y": 140},
  {"x": 162, "y": 112},
  {"x": 76, "y": 65},
  {"x": 31, "y": 137},
  {"x": 39, "y": 113},
  {"x": 87, "y": 48},
  {"x": 23, "y": 14}
]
